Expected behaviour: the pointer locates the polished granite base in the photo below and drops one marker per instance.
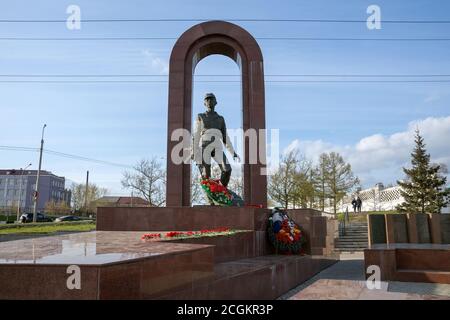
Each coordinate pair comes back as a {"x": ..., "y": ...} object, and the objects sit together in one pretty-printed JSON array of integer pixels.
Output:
[
  {"x": 260, "y": 278},
  {"x": 116, "y": 264},
  {"x": 319, "y": 230},
  {"x": 119, "y": 265},
  {"x": 180, "y": 218},
  {"x": 411, "y": 262}
]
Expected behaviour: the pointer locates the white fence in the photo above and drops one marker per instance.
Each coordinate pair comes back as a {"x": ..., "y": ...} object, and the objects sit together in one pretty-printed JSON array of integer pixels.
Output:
[{"x": 377, "y": 198}]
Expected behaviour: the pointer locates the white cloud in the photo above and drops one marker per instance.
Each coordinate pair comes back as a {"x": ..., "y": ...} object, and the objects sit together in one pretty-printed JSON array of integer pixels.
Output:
[
  {"x": 155, "y": 63},
  {"x": 380, "y": 158}
]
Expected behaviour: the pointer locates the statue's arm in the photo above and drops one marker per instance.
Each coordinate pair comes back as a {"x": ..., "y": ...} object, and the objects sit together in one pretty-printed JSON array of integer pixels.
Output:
[
  {"x": 195, "y": 148},
  {"x": 227, "y": 140}
]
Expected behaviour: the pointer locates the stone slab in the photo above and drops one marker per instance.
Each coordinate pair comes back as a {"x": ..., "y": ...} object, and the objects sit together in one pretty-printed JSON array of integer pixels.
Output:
[
  {"x": 119, "y": 265},
  {"x": 423, "y": 228},
  {"x": 411, "y": 262},
  {"x": 180, "y": 218},
  {"x": 396, "y": 228},
  {"x": 112, "y": 265},
  {"x": 445, "y": 228},
  {"x": 377, "y": 228},
  {"x": 261, "y": 278}
]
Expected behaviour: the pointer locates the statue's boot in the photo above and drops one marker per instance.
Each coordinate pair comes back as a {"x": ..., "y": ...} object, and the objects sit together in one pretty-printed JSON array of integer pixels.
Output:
[{"x": 225, "y": 178}]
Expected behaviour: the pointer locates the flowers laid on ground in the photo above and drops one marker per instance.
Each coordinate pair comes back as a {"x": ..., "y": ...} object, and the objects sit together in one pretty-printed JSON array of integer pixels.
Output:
[
  {"x": 189, "y": 234},
  {"x": 151, "y": 236},
  {"x": 284, "y": 234},
  {"x": 216, "y": 192}
]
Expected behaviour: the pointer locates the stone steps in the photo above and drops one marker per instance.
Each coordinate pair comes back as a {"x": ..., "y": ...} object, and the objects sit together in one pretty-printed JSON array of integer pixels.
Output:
[
  {"x": 354, "y": 238},
  {"x": 264, "y": 277},
  {"x": 349, "y": 232},
  {"x": 349, "y": 250},
  {"x": 350, "y": 242}
]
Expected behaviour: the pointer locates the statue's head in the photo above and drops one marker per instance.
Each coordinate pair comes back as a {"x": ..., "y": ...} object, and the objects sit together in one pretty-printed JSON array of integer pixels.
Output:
[{"x": 210, "y": 101}]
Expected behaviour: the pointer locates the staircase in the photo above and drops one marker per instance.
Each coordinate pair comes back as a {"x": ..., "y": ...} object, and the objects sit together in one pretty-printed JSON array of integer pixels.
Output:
[{"x": 352, "y": 237}]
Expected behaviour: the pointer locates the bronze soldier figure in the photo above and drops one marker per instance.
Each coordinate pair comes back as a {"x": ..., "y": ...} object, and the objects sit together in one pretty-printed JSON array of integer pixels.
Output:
[{"x": 210, "y": 133}]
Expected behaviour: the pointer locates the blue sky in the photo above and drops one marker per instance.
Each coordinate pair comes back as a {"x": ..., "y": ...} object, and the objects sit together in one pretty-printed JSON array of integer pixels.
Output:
[{"x": 125, "y": 122}]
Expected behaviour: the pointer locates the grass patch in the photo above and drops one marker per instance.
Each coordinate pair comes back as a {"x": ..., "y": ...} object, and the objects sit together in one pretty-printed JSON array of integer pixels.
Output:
[
  {"x": 49, "y": 228},
  {"x": 362, "y": 217},
  {"x": 382, "y": 212}
]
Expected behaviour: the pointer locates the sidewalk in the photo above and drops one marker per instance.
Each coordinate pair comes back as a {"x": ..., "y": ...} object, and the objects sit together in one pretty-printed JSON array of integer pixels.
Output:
[{"x": 351, "y": 267}]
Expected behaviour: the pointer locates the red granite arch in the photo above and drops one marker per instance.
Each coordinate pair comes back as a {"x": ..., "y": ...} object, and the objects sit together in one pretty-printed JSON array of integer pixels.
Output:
[{"x": 200, "y": 41}]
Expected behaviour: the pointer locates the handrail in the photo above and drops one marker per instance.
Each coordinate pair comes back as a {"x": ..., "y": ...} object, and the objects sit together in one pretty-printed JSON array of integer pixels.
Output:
[{"x": 343, "y": 224}]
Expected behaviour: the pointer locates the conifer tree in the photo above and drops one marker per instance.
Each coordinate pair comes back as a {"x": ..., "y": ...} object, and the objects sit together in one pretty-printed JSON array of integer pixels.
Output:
[{"x": 424, "y": 187}]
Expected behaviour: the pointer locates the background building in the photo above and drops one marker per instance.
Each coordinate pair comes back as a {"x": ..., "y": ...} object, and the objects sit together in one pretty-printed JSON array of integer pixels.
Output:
[
  {"x": 114, "y": 201},
  {"x": 15, "y": 184},
  {"x": 117, "y": 201},
  {"x": 378, "y": 198}
]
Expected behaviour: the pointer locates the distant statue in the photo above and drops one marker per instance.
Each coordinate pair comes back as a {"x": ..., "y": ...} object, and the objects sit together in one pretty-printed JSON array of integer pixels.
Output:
[{"x": 210, "y": 132}]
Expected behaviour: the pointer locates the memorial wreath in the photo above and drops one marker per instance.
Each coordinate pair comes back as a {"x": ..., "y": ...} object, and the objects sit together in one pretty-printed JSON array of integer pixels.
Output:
[
  {"x": 216, "y": 192},
  {"x": 284, "y": 234}
]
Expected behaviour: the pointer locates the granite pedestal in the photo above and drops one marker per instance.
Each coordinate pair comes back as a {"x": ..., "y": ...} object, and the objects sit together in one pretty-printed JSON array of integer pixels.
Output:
[{"x": 117, "y": 264}]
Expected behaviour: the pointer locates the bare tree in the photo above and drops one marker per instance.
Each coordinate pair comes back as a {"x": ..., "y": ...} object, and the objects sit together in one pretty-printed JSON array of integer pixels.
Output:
[
  {"x": 304, "y": 190},
  {"x": 197, "y": 194},
  {"x": 148, "y": 180},
  {"x": 236, "y": 185},
  {"x": 340, "y": 178},
  {"x": 79, "y": 196},
  {"x": 57, "y": 207},
  {"x": 320, "y": 181},
  {"x": 289, "y": 185}
]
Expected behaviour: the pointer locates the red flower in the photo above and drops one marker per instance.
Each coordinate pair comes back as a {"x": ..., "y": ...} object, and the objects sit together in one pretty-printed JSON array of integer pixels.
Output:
[
  {"x": 172, "y": 234},
  {"x": 151, "y": 236}
]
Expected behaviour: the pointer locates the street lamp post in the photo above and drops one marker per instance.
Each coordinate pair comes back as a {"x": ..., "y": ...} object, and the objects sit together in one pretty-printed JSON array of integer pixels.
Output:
[
  {"x": 36, "y": 193},
  {"x": 20, "y": 191}
]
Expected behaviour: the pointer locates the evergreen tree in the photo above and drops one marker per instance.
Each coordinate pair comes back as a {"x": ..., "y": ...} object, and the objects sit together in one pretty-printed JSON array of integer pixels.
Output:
[{"x": 424, "y": 187}]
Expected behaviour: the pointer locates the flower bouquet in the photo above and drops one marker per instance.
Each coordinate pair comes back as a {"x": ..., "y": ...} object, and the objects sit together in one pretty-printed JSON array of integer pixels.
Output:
[
  {"x": 216, "y": 192},
  {"x": 284, "y": 234}
]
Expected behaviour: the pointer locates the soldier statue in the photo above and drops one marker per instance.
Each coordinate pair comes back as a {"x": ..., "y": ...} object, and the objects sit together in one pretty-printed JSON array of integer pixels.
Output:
[{"x": 210, "y": 133}]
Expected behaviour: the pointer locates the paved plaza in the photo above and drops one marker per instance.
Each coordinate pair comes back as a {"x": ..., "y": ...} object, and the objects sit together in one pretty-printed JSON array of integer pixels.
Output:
[{"x": 351, "y": 267}]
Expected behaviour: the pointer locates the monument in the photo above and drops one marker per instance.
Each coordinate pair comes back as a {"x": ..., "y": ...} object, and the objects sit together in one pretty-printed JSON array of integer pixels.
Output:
[
  {"x": 200, "y": 41},
  {"x": 114, "y": 262}
]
